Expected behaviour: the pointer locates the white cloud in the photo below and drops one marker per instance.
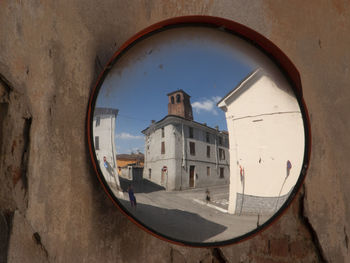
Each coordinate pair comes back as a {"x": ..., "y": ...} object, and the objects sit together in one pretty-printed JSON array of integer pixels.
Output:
[
  {"x": 216, "y": 99},
  {"x": 128, "y": 136},
  {"x": 134, "y": 150},
  {"x": 208, "y": 105}
]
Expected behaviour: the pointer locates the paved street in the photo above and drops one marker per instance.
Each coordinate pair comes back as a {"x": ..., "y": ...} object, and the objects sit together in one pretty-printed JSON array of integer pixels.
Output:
[{"x": 185, "y": 215}]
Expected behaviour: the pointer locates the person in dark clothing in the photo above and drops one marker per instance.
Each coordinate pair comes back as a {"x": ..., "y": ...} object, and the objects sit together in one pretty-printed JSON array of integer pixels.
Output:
[
  {"x": 132, "y": 196},
  {"x": 207, "y": 196}
]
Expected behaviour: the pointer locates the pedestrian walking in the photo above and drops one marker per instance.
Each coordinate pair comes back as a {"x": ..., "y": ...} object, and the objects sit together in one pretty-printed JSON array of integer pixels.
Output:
[
  {"x": 132, "y": 196},
  {"x": 207, "y": 198},
  {"x": 105, "y": 164}
]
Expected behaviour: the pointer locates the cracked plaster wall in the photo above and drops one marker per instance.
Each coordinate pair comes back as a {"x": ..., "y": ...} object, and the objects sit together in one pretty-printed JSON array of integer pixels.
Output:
[{"x": 52, "y": 208}]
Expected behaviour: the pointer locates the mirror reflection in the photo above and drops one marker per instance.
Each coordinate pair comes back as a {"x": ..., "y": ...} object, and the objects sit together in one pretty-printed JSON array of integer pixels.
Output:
[{"x": 198, "y": 134}]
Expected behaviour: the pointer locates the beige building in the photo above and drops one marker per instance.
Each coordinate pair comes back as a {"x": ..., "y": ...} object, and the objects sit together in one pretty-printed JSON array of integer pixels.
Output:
[{"x": 265, "y": 130}]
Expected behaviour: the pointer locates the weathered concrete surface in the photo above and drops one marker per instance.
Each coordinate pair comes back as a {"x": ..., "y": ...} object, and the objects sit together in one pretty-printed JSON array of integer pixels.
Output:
[
  {"x": 50, "y": 54},
  {"x": 319, "y": 50},
  {"x": 25, "y": 241},
  {"x": 290, "y": 239}
]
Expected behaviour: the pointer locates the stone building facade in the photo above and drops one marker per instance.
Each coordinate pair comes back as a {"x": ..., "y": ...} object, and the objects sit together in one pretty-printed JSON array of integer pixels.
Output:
[{"x": 181, "y": 153}]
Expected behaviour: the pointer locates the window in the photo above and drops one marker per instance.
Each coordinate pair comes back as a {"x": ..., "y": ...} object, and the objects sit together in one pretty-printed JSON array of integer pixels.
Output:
[
  {"x": 163, "y": 132},
  {"x": 178, "y": 98},
  {"x": 192, "y": 148},
  {"x": 163, "y": 148},
  {"x": 98, "y": 120},
  {"x": 97, "y": 143},
  {"x": 221, "y": 172},
  {"x": 208, "y": 171},
  {"x": 207, "y": 137},
  {"x": 172, "y": 99},
  {"x": 220, "y": 141},
  {"x": 208, "y": 151},
  {"x": 222, "y": 154},
  {"x": 191, "y": 132}
]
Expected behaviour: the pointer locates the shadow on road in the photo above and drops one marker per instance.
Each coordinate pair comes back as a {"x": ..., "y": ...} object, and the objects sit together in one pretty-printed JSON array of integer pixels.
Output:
[
  {"x": 140, "y": 186},
  {"x": 174, "y": 223}
]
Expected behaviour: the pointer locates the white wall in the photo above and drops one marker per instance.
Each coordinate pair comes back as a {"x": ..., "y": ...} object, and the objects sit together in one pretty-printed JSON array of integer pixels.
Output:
[
  {"x": 273, "y": 141},
  {"x": 264, "y": 96},
  {"x": 265, "y": 124},
  {"x": 105, "y": 131}
]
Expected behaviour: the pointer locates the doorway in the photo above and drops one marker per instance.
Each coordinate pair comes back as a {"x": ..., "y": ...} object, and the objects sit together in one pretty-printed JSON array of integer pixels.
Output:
[
  {"x": 162, "y": 179},
  {"x": 192, "y": 175}
]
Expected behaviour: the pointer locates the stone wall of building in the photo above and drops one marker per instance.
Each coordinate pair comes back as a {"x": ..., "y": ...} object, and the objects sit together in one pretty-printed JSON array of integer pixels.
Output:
[
  {"x": 156, "y": 160},
  {"x": 52, "y": 207},
  {"x": 259, "y": 205}
]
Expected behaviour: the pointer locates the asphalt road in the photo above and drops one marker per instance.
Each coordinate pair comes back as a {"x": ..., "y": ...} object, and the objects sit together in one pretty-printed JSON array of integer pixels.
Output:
[{"x": 186, "y": 216}]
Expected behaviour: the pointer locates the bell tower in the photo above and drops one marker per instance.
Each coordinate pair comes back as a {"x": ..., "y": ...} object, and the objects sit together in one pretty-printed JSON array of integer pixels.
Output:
[{"x": 180, "y": 105}]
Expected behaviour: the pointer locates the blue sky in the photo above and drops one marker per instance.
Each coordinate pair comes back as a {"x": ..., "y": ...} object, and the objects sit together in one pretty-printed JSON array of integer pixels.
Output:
[{"x": 206, "y": 69}]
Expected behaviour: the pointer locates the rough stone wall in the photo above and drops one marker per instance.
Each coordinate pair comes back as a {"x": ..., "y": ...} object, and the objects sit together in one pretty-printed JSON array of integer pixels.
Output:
[
  {"x": 52, "y": 208},
  {"x": 262, "y": 205}
]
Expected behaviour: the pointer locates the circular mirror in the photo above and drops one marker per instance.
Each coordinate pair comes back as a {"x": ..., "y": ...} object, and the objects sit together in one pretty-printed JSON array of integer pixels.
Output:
[{"x": 198, "y": 131}]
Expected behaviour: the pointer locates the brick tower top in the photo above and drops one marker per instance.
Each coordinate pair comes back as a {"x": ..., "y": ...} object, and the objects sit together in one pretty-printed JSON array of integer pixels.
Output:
[{"x": 180, "y": 105}]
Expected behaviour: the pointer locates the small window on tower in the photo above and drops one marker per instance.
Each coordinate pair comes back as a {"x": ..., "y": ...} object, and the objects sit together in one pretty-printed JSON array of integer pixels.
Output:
[
  {"x": 178, "y": 98},
  {"x": 172, "y": 99},
  {"x": 163, "y": 132},
  {"x": 207, "y": 137}
]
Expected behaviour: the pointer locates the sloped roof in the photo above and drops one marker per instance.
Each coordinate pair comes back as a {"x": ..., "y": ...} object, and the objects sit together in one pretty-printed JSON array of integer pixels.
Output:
[
  {"x": 180, "y": 90},
  {"x": 252, "y": 76},
  {"x": 185, "y": 120},
  {"x": 137, "y": 156}
]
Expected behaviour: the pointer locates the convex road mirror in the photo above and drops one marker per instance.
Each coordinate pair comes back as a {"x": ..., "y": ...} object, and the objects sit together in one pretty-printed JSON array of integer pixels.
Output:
[{"x": 198, "y": 131}]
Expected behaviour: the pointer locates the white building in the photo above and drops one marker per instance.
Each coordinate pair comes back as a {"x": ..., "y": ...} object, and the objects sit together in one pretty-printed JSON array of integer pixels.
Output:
[
  {"x": 103, "y": 134},
  {"x": 181, "y": 153},
  {"x": 266, "y": 130}
]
